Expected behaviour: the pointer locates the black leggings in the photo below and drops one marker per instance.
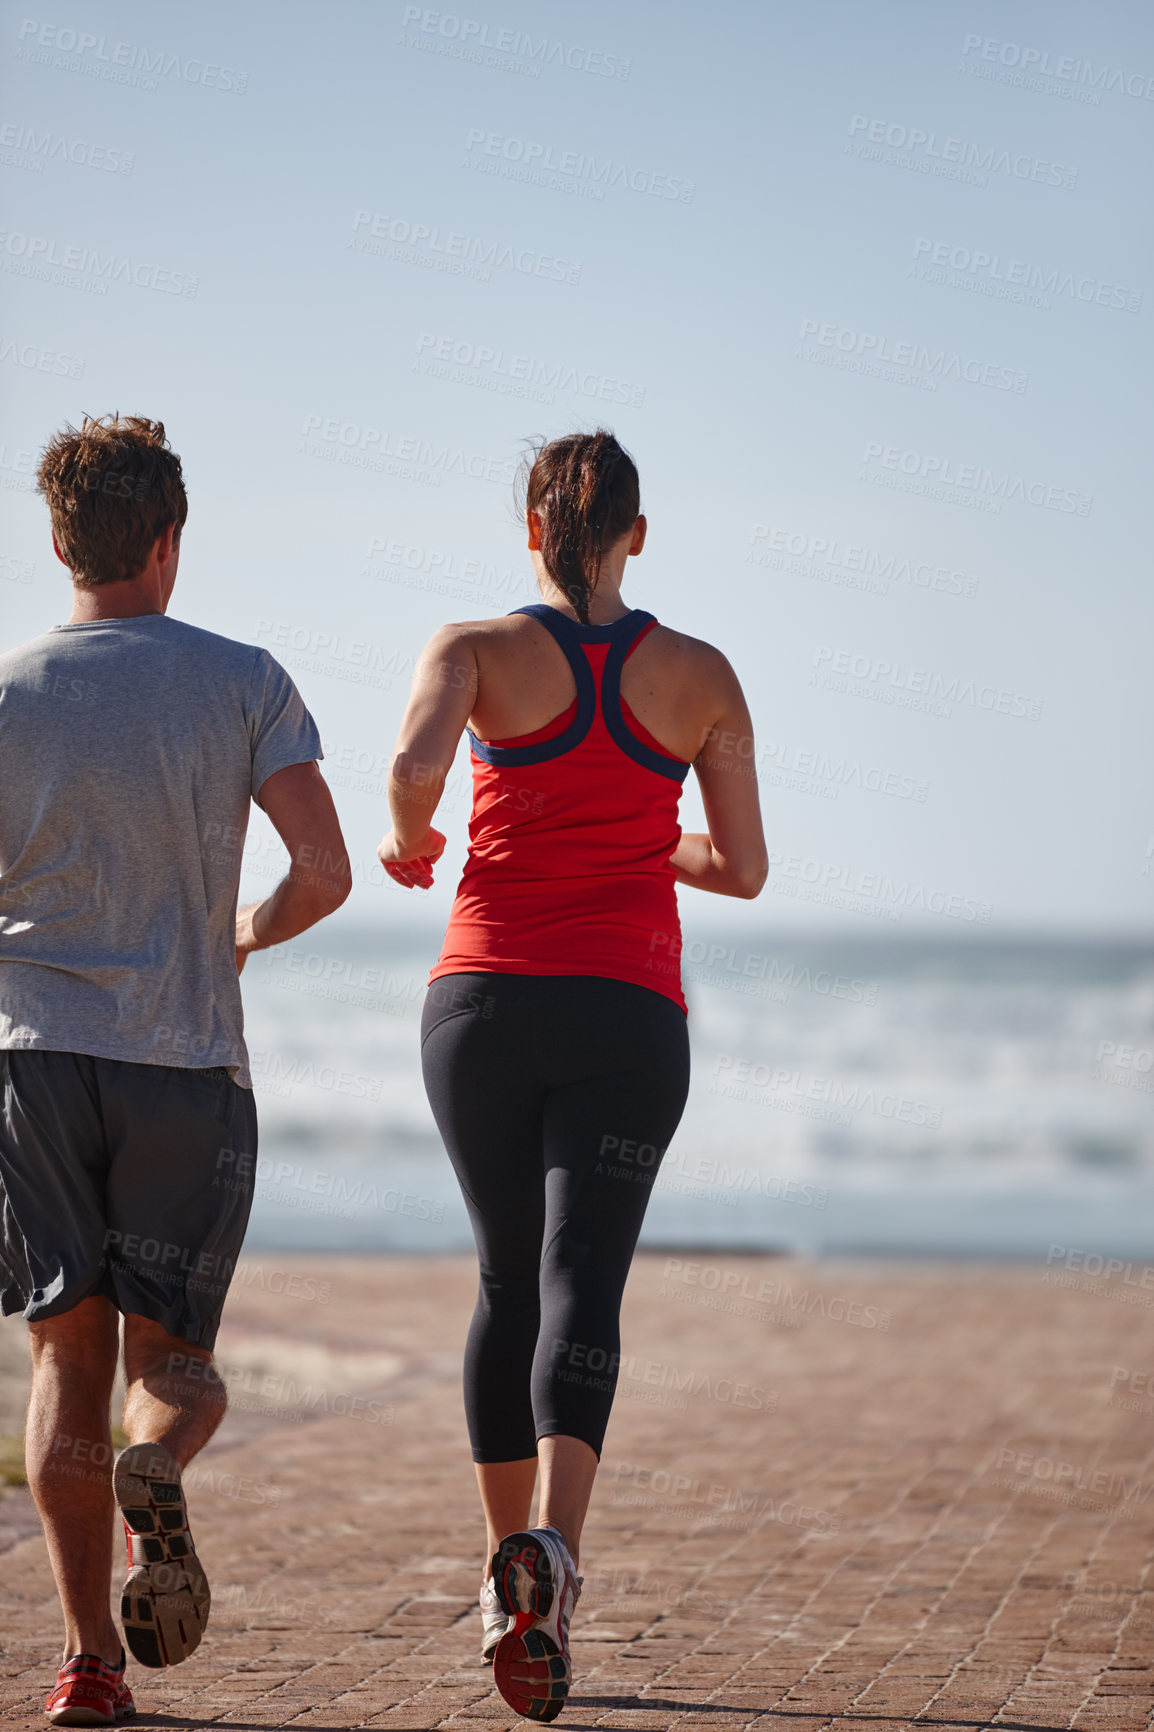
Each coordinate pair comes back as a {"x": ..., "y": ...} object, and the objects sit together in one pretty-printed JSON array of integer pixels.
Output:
[{"x": 556, "y": 1097}]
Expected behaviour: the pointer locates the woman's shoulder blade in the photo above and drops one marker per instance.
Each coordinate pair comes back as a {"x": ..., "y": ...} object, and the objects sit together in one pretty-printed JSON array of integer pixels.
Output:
[{"x": 691, "y": 654}]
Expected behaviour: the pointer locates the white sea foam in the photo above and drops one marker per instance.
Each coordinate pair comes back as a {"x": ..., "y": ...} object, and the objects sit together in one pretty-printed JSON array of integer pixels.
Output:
[{"x": 891, "y": 1095}]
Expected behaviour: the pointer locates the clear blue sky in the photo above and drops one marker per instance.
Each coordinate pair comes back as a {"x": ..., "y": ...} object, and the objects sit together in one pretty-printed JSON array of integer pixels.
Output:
[{"x": 736, "y": 220}]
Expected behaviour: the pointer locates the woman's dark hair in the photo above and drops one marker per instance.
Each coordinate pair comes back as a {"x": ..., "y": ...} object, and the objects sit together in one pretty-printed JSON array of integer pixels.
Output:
[{"x": 585, "y": 491}]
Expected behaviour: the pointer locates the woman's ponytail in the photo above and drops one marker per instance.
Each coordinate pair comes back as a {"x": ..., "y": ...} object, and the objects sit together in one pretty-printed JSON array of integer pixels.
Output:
[{"x": 585, "y": 493}]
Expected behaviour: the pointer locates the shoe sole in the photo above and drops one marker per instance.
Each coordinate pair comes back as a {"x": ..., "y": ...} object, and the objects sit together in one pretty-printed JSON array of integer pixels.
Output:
[
  {"x": 523, "y": 1576},
  {"x": 165, "y": 1601},
  {"x": 88, "y": 1717},
  {"x": 81, "y": 1715},
  {"x": 530, "y": 1671},
  {"x": 529, "y": 1668}
]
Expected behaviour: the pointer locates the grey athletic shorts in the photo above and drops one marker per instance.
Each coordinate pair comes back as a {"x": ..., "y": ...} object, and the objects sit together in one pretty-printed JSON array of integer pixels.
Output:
[{"x": 133, "y": 1181}]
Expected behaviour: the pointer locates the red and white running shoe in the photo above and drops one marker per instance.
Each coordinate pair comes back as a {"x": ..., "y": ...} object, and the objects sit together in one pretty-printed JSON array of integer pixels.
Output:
[
  {"x": 165, "y": 1602},
  {"x": 90, "y": 1692},
  {"x": 494, "y": 1620},
  {"x": 538, "y": 1587}
]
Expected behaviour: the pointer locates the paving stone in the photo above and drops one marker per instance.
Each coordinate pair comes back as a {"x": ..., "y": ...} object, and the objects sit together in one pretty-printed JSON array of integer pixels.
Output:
[{"x": 872, "y": 1551}]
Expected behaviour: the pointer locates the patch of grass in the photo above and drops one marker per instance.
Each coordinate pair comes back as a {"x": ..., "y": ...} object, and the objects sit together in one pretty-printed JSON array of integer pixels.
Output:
[
  {"x": 12, "y": 1470},
  {"x": 12, "y": 1459}
]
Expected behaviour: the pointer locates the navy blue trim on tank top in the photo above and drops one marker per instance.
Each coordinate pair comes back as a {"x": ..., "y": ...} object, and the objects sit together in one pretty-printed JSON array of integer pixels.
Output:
[
  {"x": 676, "y": 769},
  {"x": 512, "y": 756},
  {"x": 563, "y": 627},
  {"x": 570, "y": 634}
]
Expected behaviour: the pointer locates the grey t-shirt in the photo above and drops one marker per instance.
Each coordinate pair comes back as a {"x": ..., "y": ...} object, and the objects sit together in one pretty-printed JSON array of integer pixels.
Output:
[{"x": 129, "y": 752}]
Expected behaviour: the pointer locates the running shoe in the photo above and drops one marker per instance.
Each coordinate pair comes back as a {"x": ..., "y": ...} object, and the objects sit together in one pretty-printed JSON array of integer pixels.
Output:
[
  {"x": 165, "y": 1602},
  {"x": 537, "y": 1585},
  {"x": 494, "y": 1620},
  {"x": 90, "y": 1692}
]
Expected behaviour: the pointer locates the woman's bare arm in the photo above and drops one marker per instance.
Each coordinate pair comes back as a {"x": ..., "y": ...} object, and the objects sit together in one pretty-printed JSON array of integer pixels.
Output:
[
  {"x": 443, "y": 694},
  {"x": 731, "y": 859}
]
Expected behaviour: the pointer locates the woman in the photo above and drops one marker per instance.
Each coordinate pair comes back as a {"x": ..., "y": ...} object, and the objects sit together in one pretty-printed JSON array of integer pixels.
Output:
[{"x": 554, "y": 1043}]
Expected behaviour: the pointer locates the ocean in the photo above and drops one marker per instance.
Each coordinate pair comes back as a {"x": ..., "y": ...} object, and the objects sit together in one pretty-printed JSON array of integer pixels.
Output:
[{"x": 851, "y": 1096}]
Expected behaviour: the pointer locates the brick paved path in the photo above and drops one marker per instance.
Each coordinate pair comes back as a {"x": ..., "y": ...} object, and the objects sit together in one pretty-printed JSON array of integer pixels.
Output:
[{"x": 831, "y": 1495}]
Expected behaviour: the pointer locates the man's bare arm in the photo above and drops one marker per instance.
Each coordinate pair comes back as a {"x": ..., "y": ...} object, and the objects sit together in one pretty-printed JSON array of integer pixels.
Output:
[{"x": 298, "y": 801}]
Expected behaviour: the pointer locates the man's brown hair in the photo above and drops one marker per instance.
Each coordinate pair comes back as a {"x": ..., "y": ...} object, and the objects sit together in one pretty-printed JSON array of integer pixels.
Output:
[{"x": 112, "y": 486}]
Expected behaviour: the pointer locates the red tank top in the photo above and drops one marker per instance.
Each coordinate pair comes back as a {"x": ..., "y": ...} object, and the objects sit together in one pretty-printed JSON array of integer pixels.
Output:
[{"x": 571, "y": 833}]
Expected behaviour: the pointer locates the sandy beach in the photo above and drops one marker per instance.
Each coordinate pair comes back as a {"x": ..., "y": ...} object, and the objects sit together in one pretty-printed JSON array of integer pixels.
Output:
[{"x": 831, "y": 1493}]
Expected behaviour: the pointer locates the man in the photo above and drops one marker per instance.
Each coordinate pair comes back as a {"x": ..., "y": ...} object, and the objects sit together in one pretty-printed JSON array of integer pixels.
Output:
[{"x": 130, "y": 746}]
